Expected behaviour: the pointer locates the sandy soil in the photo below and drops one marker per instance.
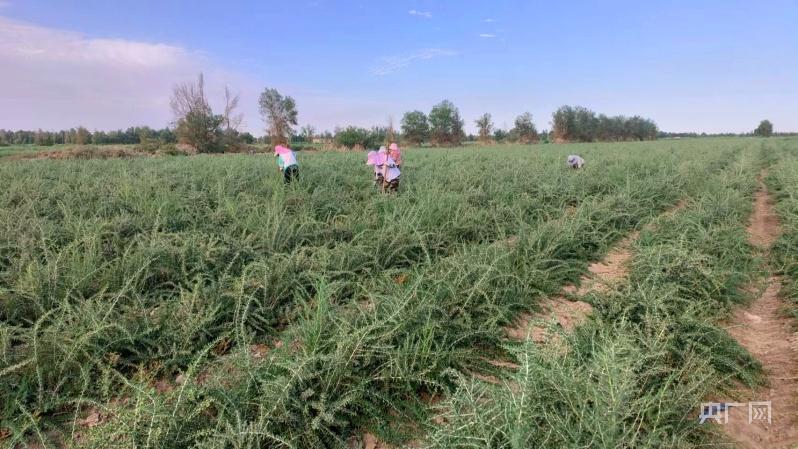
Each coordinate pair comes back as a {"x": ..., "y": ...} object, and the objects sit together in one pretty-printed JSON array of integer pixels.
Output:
[
  {"x": 613, "y": 268},
  {"x": 568, "y": 314},
  {"x": 763, "y": 329}
]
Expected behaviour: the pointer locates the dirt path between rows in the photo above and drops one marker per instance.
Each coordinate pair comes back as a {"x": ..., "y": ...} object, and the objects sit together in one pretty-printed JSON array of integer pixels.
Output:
[
  {"x": 607, "y": 272},
  {"x": 601, "y": 277},
  {"x": 768, "y": 335},
  {"x": 570, "y": 313}
]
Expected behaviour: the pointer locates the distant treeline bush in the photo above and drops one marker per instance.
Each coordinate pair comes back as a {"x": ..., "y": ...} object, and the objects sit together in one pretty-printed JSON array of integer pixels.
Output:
[
  {"x": 353, "y": 136},
  {"x": 765, "y": 129},
  {"x": 443, "y": 126},
  {"x": 579, "y": 124},
  {"x": 82, "y": 136},
  {"x": 672, "y": 135},
  {"x": 198, "y": 127}
]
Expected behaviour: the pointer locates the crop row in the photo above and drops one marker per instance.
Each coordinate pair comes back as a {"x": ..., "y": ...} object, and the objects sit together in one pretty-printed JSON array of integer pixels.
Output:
[
  {"x": 635, "y": 374},
  {"x": 359, "y": 353},
  {"x": 783, "y": 182}
]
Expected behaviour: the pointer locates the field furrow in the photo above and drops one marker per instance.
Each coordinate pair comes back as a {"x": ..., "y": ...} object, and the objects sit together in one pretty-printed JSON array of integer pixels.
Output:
[{"x": 770, "y": 335}]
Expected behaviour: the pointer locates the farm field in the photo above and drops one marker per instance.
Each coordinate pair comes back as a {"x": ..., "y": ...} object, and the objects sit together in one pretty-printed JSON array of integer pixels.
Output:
[
  {"x": 178, "y": 302},
  {"x": 19, "y": 150}
]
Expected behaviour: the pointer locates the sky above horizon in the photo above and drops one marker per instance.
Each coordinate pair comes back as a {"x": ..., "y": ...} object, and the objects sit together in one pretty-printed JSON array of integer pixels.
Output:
[{"x": 703, "y": 66}]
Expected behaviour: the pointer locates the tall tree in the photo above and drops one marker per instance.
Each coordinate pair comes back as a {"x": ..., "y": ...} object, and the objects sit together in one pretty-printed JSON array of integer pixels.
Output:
[
  {"x": 189, "y": 97},
  {"x": 446, "y": 126},
  {"x": 499, "y": 135},
  {"x": 196, "y": 124},
  {"x": 563, "y": 122},
  {"x": 232, "y": 119},
  {"x": 280, "y": 114},
  {"x": 524, "y": 130},
  {"x": 485, "y": 125},
  {"x": 765, "y": 129},
  {"x": 82, "y": 136},
  {"x": 415, "y": 127},
  {"x": 307, "y": 132}
]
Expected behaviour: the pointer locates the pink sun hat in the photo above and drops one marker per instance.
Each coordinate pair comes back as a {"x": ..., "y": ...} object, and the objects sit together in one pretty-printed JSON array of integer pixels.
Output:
[{"x": 279, "y": 149}]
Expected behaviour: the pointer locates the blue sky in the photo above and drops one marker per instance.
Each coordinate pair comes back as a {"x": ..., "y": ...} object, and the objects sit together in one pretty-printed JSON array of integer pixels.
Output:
[{"x": 691, "y": 66}]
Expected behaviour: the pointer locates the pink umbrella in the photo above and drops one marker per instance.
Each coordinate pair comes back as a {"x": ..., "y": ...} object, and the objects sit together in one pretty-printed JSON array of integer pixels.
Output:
[{"x": 371, "y": 158}]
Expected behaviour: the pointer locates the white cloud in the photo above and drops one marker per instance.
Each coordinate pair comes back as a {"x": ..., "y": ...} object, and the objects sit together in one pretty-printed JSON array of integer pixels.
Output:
[
  {"x": 393, "y": 63},
  {"x": 489, "y": 20},
  {"x": 487, "y": 36},
  {"x": 55, "y": 79},
  {"x": 424, "y": 14}
]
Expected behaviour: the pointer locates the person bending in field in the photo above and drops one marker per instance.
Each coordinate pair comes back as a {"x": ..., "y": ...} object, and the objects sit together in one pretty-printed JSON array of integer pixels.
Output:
[
  {"x": 575, "y": 162},
  {"x": 286, "y": 161},
  {"x": 396, "y": 154},
  {"x": 372, "y": 159},
  {"x": 390, "y": 171}
]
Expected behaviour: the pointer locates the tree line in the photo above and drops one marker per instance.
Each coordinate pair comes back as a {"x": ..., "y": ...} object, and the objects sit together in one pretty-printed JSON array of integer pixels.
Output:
[
  {"x": 197, "y": 125},
  {"x": 443, "y": 126},
  {"x": 82, "y": 136},
  {"x": 579, "y": 124},
  {"x": 765, "y": 129}
]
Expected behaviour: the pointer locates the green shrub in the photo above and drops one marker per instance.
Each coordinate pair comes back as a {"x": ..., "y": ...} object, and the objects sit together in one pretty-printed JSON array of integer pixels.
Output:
[{"x": 351, "y": 137}]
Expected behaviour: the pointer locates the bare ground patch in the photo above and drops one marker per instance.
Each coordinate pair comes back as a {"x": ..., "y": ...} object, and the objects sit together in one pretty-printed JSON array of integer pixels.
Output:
[
  {"x": 768, "y": 335},
  {"x": 565, "y": 313},
  {"x": 610, "y": 270},
  {"x": 601, "y": 276}
]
